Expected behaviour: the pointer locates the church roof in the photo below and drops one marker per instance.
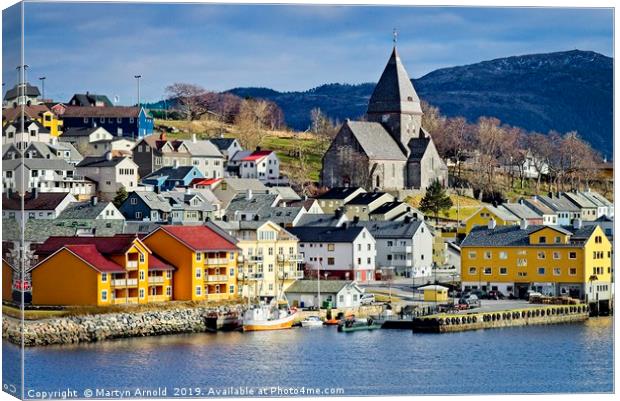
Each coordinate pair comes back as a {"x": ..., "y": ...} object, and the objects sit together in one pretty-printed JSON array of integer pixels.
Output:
[
  {"x": 394, "y": 92},
  {"x": 376, "y": 142}
]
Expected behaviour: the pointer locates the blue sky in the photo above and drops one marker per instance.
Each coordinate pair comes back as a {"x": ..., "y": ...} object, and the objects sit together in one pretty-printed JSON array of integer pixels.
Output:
[{"x": 100, "y": 47}]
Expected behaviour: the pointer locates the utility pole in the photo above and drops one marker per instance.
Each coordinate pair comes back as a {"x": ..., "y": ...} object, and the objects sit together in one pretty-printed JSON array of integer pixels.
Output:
[
  {"x": 137, "y": 77},
  {"x": 42, "y": 79}
]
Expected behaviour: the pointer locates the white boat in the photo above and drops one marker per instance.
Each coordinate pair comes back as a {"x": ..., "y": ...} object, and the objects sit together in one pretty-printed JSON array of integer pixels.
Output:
[
  {"x": 268, "y": 317},
  {"x": 312, "y": 321}
]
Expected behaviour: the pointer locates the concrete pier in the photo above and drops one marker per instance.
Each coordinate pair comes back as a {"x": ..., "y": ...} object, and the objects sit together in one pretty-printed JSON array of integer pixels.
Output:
[{"x": 535, "y": 315}]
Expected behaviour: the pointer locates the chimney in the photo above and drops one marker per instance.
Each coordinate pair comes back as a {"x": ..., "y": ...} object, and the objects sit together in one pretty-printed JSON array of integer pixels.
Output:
[
  {"x": 523, "y": 224},
  {"x": 492, "y": 224},
  {"x": 258, "y": 148},
  {"x": 415, "y": 216},
  {"x": 356, "y": 219},
  {"x": 193, "y": 138},
  {"x": 577, "y": 224},
  {"x": 93, "y": 200},
  {"x": 248, "y": 194},
  {"x": 407, "y": 219},
  {"x": 108, "y": 155},
  {"x": 162, "y": 136}
]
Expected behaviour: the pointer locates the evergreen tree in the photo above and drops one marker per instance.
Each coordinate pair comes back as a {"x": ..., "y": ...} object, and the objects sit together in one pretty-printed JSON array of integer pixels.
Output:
[
  {"x": 435, "y": 200},
  {"x": 120, "y": 197}
]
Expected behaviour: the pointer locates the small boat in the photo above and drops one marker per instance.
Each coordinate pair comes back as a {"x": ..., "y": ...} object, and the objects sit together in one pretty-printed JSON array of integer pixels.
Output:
[
  {"x": 354, "y": 324},
  {"x": 331, "y": 322},
  {"x": 312, "y": 321},
  {"x": 268, "y": 317}
]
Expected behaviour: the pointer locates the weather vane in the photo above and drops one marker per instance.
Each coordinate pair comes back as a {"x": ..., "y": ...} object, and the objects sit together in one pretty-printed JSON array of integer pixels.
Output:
[{"x": 394, "y": 35}]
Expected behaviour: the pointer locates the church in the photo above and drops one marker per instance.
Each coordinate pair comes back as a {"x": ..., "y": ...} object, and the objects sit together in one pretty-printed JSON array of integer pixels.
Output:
[{"x": 390, "y": 150}]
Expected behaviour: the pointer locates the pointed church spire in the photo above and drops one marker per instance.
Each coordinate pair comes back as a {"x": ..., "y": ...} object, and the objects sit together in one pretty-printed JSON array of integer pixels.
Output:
[{"x": 394, "y": 92}]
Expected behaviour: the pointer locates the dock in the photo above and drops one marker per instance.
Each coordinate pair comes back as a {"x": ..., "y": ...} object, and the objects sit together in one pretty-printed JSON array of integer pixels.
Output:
[{"x": 536, "y": 315}]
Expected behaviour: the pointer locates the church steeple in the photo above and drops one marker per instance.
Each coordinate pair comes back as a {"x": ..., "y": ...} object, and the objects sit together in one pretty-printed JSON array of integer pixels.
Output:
[{"x": 395, "y": 104}]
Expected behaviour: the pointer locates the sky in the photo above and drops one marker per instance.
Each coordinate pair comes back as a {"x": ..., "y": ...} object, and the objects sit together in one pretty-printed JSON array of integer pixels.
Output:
[{"x": 99, "y": 47}]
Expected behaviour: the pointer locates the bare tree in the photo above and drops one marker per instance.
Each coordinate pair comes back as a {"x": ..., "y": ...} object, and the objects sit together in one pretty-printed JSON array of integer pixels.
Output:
[
  {"x": 324, "y": 128},
  {"x": 190, "y": 99},
  {"x": 251, "y": 122}
]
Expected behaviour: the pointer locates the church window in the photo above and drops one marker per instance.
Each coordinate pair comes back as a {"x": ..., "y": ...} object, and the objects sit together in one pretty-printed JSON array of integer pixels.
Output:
[{"x": 378, "y": 182}]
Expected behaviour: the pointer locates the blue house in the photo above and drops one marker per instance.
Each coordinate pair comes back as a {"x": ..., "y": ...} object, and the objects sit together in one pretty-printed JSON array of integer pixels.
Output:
[
  {"x": 168, "y": 178},
  {"x": 128, "y": 122}
]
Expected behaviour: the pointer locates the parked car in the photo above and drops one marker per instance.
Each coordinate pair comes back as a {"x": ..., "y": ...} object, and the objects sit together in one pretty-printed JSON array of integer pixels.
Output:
[
  {"x": 532, "y": 293},
  {"x": 367, "y": 299},
  {"x": 470, "y": 300},
  {"x": 494, "y": 294},
  {"x": 479, "y": 293}
]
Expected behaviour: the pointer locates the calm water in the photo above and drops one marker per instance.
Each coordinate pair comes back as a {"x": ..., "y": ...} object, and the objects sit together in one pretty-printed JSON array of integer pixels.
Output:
[{"x": 559, "y": 358}]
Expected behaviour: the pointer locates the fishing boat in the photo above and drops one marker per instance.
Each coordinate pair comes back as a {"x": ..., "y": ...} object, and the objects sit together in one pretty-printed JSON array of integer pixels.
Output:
[
  {"x": 268, "y": 317},
  {"x": 356, "y": 324},
  {"x": 312, "y": 321}
]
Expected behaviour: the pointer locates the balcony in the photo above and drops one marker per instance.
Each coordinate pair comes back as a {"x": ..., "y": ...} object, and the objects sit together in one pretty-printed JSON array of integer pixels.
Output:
[
  {"x": 216, "y": 297},
  {"x": 217, "y": 261},
  {"x": 290, "y": 258},
  {"x": 120, "y": 301},
  {"x": 121, "y": 282},
  {"x": 400, "y": 249},
  {"x": 217, "y": 278},
  {"x": 158, "y": 298},
  {"x": 156, "y": 279},
  {"x": 132, "y": 264},
  {"x": 255, "y": 258}
]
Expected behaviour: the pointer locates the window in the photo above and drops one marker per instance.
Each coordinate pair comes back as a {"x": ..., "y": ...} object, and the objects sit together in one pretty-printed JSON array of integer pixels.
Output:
[
  {"x": 558, "y": 240},
  {"x": 104, "y": 295},
  {"x": 541, "y": 271},
  {"x": 104, "y": 277},
  {"x": 503, "y": 255},
  {"x": 169, "y": 291},
  {"x": 141, "y": 258},
  {"x": 232, "y": 289},
  {"x": 472, "y": 270},
  {"x": 556, "y": 255},
  {"x": 572, "y": 255},
  {"x": 472, "y": 255},
  {"x": 168, "y": 274},
  {"x": 572, "y": 271},
  {"x": 487, "y": 271},
  {"x": 138, "y": 215},
  {"x": 141, "y": 293},
  {"x": 522, "y": 274},
  {"x": 141, "y": 275},
  {"x": 557, "y": 271},
  {"x": 503, "y": 271},
  {"x": 198, "y": 290},
  {"x": 487, "y": 255},
  {"x": 331, "y": 261},
  {"x": 541, "y": 254},
  {"x": 198, "y": 256},
  {"x": 542, "y": 239}
]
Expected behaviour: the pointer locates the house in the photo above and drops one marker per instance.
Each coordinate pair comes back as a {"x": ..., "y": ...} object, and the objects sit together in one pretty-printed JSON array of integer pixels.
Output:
[
  {"x": 287, "y": 194},
  {"x": 606, "y": 224},
  {"x": 205, "y": 259},
  {"x": 589, "y": 210},
  {"x": 528, "y": 166},
  {"x": 263, "y": 165},
  {"x": 97, "y": 141},
  {"x": 99, "y": 271},
  {"x": 567, "y": 212},
  {"x": 311, "y": 206},
  {"x": 90, "y": 100},
  {"x": 406, "y": 246},
  {"x": 168, "y": 178},
  {"x": 46, "y": 175},
  {"x": 391, "y": 150},
  {"x": 364, "y": 203},
  {"x": 110, "y": 173},
  {"x": 53, "y": 150},
  {"x": 226, "y": 189},
  {"x": 33, "y": 131},
  {"x": 248, "y": 206},
  {"x": 523, "y": 212},
  {"x": 336, "y": 197},
  {"x": 558, "y": 261},
  {"x": 227, "y": 146},
  {"x": 482, "y": 217},
  {"x": 604, "y": 206},
  {"x": 549, "y": 216},
  {"x": 174, "y": 207},
  {"x": 94, "y": 209},
  {"x": 22, "y": 94},
  {"x": 128, "y": 122},
  {"x": 340, "y": 252},
  {"x": 40, "y": 113},
  {"x": 395, "y": 210},
  {"x": 322, "y": 220},
  {"x": 270, "y": 258},
  {"x": 46, "y": 205},
  {"x": 342, "y": 294},
  {"x": 206, "y": 157}
]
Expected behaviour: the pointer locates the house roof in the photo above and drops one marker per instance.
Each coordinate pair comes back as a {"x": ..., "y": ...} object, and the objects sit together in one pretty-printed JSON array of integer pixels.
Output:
[
  {"x": 203, "y": 148},
  {"x": 326, "y": 234},
  {"x": 38, "y": 164},
  {"x": 97, "y": 112},
  {"x": 42, "y": 201},
  {"x": 595, "y": 196},
  {"x": 117, "y": 244},
  {"x": 391, "y": 229},
  {"x": 76, "y": 132},
  {"x": 579, "y": 200},
  {"x": 49, "y": 150},
  {"x": 101, "y": 161},
  {"x": 256, "y": 204},
  {"x": 558, "y": 204},
  {"x": 283, "y": 215},
  {"x": 340, "y": 193},
  {"x": 16, "y": 123},
  {"x": 312, "y": 286},
  {"x": 501, "y": 213},
  {"x": 319, "y": 220},
  {"x": 243, "y": 184},
  {"x": 418, "y": 146},
  {"x": 91, "y": 255},
  {"x": 223, "y": 143},
  {"x": 286, "y": 193},
  {"x": 83, "y": 210},
  {"x": 376, "y": 142},
  {"x": 521, "y": 211},
  {"x": 538, "y": 206},
  {"x": 171, "y": 172},
  {"x": 394, "y": 92},
  {"x": 204, "y": 181},
  {"x": 389, "y": 206},
  {"x": 200, "y": 238},
  {"x": 515, "y": 236},
  {"x": 158, "y": 264},
  {"x": 88, "y": 99},
  {"x": 365, "y": 198},
  {"x": 31, "y": 91},
  {"x": 38, "y": 230},
  {"x": 257, "y": 155},
  {"x": 153, "y": 201},
  {"x": 32, "y": 111}
]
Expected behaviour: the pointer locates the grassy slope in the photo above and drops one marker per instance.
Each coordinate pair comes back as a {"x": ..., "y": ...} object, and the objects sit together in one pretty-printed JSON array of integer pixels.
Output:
[{"x": 467, "y": 206}]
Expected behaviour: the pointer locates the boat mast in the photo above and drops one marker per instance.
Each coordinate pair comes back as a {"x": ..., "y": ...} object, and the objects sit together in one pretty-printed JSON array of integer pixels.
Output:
[{"x": 319, "y": 285}]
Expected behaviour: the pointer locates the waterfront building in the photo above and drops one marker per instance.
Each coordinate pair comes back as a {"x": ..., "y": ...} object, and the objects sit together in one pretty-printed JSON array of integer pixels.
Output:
[
  {"x": 99, "y": 271},
  {"x": 271, "y": 262},
  {"x": 435, "y": 293},
  {"x": 346, "y": 252},
  {"x": 340, "y": 294},
  {"x": 336, "y": 197},
  {"x": 486, "y": 213},
  {"x": 205, "y": 258},
  {"x": 560, "y": 261},
  {"x": 405, "y": 246}
]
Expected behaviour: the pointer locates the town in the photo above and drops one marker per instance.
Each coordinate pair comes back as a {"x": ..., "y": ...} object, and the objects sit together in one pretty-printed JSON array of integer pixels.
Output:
[{"x": 119, "y": 209}]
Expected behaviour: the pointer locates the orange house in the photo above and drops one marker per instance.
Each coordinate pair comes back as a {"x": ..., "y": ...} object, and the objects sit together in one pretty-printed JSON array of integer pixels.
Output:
[
  {"x": 8, "y": 272},
  {"x": 205, "y": 259},
  {"x": 99, "y": 271}
]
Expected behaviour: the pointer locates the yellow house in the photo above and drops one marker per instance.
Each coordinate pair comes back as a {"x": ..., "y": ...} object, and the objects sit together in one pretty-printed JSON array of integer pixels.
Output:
[
  {"x": 270, "y": 262},
  {"x": 39, "y": 112},
  {"x": 557, "y": 261},
  {"x": 435, "y": 293},
  {"x": 204, "y": 257},
  {"x": 483, "y": 215},
  {"x": 99, "y": 271}
]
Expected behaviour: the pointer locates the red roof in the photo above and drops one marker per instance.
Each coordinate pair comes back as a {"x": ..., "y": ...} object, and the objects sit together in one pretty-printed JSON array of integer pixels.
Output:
[
  {"x": 93, "y": 257},
  {"x": 204, "y": 181},
  {"x": 115, "y": 245},
  {"x": 200, "y": 238},
  {"x": 257, "y": 155},
  {"x": 158, "y": 264}
]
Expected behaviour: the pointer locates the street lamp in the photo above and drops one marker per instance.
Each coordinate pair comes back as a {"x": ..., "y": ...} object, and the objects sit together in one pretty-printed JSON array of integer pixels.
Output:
[
  {"x": 42, "y": 79},
  {"x": 137, "y": 77}
]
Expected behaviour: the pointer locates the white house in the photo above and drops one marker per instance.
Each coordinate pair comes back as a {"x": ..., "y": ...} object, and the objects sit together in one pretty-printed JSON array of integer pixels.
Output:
[
  {"x": 406, "y": 246},
  {"x": 36, "y": 205},
  {"x": 341, "y": 293},
  {"x": 261, "y": 164},
  {"x": 342, "y": 252},
  {"x": 110, "y": 173},
  {"x": 33, "y": 131}
]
